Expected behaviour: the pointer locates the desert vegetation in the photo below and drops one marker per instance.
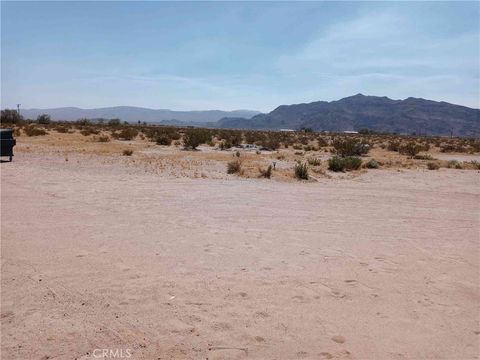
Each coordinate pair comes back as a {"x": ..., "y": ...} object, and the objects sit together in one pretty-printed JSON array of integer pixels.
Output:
[{"x": 297, "y": 152}]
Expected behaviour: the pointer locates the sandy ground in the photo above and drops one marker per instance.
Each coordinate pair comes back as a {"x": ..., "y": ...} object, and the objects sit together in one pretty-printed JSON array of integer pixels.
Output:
[{"x": 96, "y": 255}]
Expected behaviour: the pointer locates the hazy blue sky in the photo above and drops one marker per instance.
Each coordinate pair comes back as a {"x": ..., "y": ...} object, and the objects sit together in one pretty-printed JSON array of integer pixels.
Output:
[{"x": 186, "y": 56}]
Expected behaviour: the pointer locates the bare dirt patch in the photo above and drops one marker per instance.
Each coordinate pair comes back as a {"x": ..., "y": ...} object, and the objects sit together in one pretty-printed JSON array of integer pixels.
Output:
[{"x": 102, "y": 251}]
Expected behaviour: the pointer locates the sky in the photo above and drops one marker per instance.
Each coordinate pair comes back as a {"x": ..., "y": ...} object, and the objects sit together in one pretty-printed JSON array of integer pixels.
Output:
[{"x": 236, "y": 55}]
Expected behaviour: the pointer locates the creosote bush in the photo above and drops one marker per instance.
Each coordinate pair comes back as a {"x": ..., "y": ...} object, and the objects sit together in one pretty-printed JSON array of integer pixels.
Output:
[
  {"x": 433, "y": 165},
  {"x": 125, "y": 134},
  {"x": 344, "y": 164},
  {"x": 164, "y": 140},
  {"x": 34, "y": 131},
  {"x": 62, "y": 129},
  {"x": 301, "y": 171},
  {"x": 194, "y": 137},
  {"x": 89, "y": 131},
  {"x": 350, "y": 147},
  {"x": 127, "y": 152},
  {"x": 411, "y": 149}
]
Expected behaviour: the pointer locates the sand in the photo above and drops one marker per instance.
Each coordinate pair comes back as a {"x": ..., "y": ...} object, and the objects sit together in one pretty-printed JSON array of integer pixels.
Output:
[{"x": 100, "y": 255}]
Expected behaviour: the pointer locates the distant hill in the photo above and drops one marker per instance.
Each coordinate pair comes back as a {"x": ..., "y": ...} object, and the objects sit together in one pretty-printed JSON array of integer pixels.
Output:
[
  {"x": 375, "y": 113},
  {"x": 134, "y": 114}
]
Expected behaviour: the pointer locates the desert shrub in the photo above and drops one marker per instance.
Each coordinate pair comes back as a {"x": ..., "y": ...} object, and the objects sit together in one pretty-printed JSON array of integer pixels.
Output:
[
  {"x": 164, "y": 140},
  {"x": 352, "y": 163},
  {"x": 411, "y": 149},
  {"x": 225, "y": 144},
  {"x": 127, "y": 152},
  {"x": 475, "y": 145},
  {"x": 372, "y": 164},
  {"x": 314, "y": 161},
  {"x": 266, "y": 173},
  {"x": 297, "y": 147},
  {"x": 303, "y": 140},
  {"x": 270, "y": 143},
  {"x": 82, "y": 122},
  {"x": 114, "y": 122},
  {"x": 393, "y": 146},
  {"x": 475, "y": 164},
  {"x": 234, "y": 166},
  {"x": 433, "y": 165},
  {"x": 89, "y": 131},
  {"x": 449, "y": 148},
  {"x": 423, "y": 157},
  {"x": 44, "y": 119},
  {"x": 194, "y": 137},
  {"x": 301, "y": 171},
  {"x": 102, "y": 138},
  {"x": 336, "y": 164},
  {"x": 61, "y": 129},
  {"x": 344, "y": 164},
  {"x": 454, "y": 164},
  {"x": 350, "y": 147},
  {"x": 125, "y": 134},
  {"x": 34, "y": 131},
  {"x": 250, "y": 137},
  {"x": 9, "y": 116},
  {"x": 322, "y": 142}
]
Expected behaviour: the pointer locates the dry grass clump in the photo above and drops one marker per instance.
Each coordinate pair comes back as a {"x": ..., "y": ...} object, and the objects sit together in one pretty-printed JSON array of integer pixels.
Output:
[
  {"x": 266, "y": 173},
  {"x": 301, "y": 171},
  {"x": 423, "y": 157},
  {"x": 433, "y": 165},
  {"x": 454, "y": 164},
  {"x": 372, "y": 164},
  {"x": 234, "y": 166},
  {"x": 314, "y": 161},
  {"x": 127, "y": 152}
]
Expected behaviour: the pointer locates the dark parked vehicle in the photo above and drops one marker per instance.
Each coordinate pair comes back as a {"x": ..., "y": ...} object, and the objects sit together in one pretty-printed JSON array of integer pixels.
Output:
[{"x": 7, "y": 143}]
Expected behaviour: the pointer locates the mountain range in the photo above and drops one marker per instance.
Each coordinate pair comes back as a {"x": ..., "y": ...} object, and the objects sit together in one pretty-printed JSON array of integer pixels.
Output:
[
  {"x": 412, "y": 115},
  {"x": 381, "y": 114},
  {"x": 134, "y": 114}
]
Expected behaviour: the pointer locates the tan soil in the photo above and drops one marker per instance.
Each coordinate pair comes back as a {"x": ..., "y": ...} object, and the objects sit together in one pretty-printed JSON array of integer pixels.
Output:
[{"x": 102, "y": 253}]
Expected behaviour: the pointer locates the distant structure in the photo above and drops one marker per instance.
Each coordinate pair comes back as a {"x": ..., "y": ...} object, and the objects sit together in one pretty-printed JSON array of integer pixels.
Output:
[
  {"x": 18, "y": 109},
  {"x": 287, "y": 130},
  {"x": 350, "y": 132}
]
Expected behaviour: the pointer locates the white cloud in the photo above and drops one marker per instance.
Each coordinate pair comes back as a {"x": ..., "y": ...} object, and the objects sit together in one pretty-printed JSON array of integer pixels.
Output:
[{"x": 385, "y": 53}]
